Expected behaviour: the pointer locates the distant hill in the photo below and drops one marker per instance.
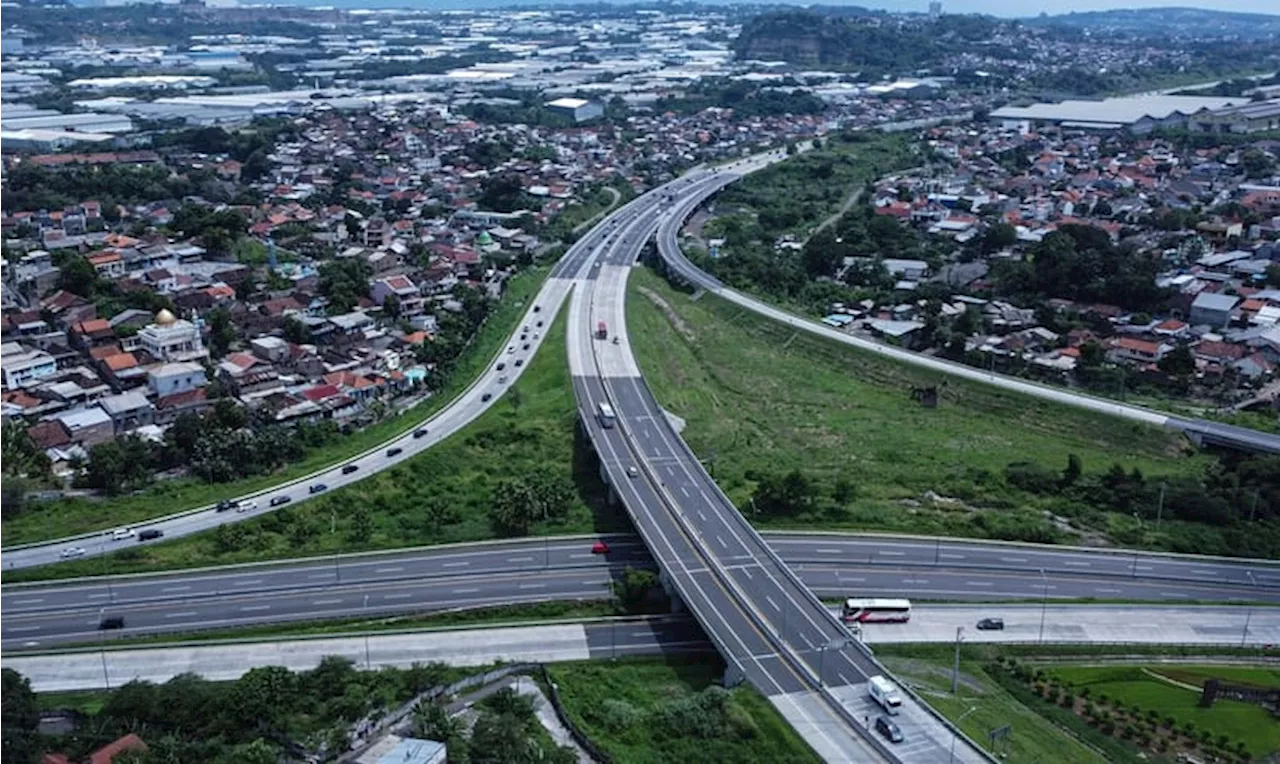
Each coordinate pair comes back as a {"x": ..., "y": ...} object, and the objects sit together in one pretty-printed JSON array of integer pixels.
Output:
[
  {"x": 1168, "y": 22},
  {"x": 854, "y": 40}
]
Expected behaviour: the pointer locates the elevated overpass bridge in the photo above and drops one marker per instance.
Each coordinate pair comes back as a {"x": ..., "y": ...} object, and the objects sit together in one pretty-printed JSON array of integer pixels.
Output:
[{"x": 770, "y": 629}]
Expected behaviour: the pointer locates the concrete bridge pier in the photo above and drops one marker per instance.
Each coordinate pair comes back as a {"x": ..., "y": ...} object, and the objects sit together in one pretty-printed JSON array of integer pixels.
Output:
[{"x": 733, "y": 675}]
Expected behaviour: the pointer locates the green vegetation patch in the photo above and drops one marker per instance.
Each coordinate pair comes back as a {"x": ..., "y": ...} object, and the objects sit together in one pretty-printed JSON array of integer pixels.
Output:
[
  {"x": 526, "y": 446},
  {"x": 67, "y": 517},
  {"x": 673, "y": 709},
  {"x": 1155, "y": 689},
  {"x": 765, "y": 404}
]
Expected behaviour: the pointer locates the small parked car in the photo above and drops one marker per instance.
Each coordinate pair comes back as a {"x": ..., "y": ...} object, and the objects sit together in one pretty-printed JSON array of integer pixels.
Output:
[
  {"x": 350, "y": 468},
  {"x": 888, "y": 729},
  {"x": 485, "y": 398},
  {"x": 120, "y": 534},
  {"x": 991, "y": 624},
  {"x": 150, "y": 534},
  {"x": 519, "y": 362},
  {"x": 420, "y": 432},
  {"x": 500, "y": 366},
  {"x": 245, "y": 506},
  {"x": 278, "y": 500},
  {"x": 111, "y": 622},
  {"x": 317, "y": 488},
  {"x": 73, "y": 551},
  {"x": 599, "y": 548},
  {"x": 224, "y": 505},
  {"x": 393, "y": 451}
]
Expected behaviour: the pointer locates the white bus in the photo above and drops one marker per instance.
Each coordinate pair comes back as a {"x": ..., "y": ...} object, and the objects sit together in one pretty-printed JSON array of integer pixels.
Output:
[
  {"x": 607, "y": 417},
  {"x": 876, "y": 611}
]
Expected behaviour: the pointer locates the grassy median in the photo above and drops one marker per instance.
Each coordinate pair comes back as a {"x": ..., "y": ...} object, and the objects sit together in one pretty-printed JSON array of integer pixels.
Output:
[{"x": 761, "y": 399}]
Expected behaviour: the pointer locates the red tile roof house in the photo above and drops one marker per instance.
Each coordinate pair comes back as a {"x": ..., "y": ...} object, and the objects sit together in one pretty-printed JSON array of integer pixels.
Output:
[
  {"x": 1133, "y": 349},
  {"x": 106, "y": 754}
]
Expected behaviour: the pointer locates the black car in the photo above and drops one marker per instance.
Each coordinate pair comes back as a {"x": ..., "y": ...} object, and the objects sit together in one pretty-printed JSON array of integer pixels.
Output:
[
  {"x": 500, "y": 366},
  {"x": 526, "y": 346},
  {"x": 278, "y": 500},
  {"x": 485, "y": 398},
  {"x": 393, "y": 452},
  {"x": 350, "y": 468},
  {"x": 318, "y": 487},
  {"x": 539, "y": 323},
  {"x": 519, "y": 362},
  {"x": 537, "y": 308},
  {"x": 111, "y": 622},
  {"x": 224, "y": 505},
  {"x": 149, "y": 534},
  {"x": 991, "y": 624},
  {"x": 890, "y": 730},
  {"x": 421, "y": 431}
]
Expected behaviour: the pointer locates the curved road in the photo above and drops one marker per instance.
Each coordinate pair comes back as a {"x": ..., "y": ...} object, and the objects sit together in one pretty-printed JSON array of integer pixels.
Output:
[
  {"x": 1214, "y": 433},
  {"x": 460, "y": 412}
]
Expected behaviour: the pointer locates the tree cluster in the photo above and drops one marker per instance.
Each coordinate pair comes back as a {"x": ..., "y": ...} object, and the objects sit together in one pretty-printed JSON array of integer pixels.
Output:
[
  {"x": 344, "y": 282},
  {"x": 518, "y": 504}
]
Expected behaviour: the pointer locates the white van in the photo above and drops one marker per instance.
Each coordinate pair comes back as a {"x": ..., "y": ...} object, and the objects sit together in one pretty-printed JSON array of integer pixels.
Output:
[
  {"x": 120, "y": 534},
  {"x": 885, "y": 693}
]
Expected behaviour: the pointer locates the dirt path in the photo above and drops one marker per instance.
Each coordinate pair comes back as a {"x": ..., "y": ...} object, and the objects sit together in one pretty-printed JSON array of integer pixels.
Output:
[
  {"x": 1167, "y": 680},
  {"x": 670, "y": 313}
]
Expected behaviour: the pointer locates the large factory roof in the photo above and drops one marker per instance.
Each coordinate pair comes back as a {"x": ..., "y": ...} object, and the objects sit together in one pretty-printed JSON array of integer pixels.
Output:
[{"x": 1125, "y": 111}]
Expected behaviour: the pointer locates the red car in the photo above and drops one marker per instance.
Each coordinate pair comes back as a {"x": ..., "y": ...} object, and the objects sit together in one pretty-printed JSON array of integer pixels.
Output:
[{"x": 599, "y": 548}]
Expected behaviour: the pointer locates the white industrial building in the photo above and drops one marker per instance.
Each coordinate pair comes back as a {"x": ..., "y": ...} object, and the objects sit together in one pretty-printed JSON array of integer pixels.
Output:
[
  {"x": 578, "y": 109},
  {"x": 80, "y": 123},
  {"x": 1137, "y": 114}
]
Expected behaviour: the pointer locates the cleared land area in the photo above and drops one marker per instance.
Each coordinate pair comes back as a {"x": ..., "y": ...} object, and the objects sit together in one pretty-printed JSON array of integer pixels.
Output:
[
  {"x": 641, "y": 710},
  {"x": 761, "y": 400},
  {"x": 438, "y": 497},
  {"x": 55, "y": 519}
]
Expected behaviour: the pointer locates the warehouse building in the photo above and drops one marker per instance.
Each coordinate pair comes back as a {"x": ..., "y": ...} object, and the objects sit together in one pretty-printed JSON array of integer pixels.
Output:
[
  {"x": 577, "y": 109},
  {"x": 78, "y": 123},
  {"x": 1137, "y": 114},
  {"x": 1244, "y": 118}
]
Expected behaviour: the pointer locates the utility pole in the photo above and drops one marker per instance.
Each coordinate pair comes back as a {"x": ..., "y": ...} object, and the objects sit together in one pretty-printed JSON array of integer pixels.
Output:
[
  {"x": 368, "y": 664},
  {"x": 955, "y": 669},
  {"x": 1248, "y": 614},
  {"x": 106, "y": 680},
  {"x": 1160, "y": 507},
  {"x": 1254, "y": 507}
]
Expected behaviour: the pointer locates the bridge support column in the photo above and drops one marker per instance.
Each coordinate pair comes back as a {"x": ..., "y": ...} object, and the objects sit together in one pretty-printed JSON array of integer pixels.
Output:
[
  {"x": 733, "y": 675},
  {"x": 669, "y": 588}
]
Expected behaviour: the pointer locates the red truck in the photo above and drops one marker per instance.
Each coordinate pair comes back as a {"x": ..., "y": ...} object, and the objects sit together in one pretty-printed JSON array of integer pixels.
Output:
[{"x": 602, "y": 331}]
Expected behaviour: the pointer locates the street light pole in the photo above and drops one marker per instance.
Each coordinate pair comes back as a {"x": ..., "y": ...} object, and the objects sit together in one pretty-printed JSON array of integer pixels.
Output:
[
  {"x": 106, "y": 680},
  {"x": 1248, "y": 614},
  {"x": 1044, "y": 601},
  {"x": 955, "y": 733},
  {"x": 1160, "y": 508},
  {"x": 368, "y": 664},
  {"x": 955, "y": 669}
]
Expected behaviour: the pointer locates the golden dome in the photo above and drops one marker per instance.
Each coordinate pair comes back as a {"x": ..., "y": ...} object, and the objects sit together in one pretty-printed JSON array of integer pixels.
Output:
[{"x": 165, "y": 318}]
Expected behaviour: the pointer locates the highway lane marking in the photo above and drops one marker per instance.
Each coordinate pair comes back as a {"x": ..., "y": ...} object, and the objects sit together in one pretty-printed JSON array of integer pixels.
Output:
[
  {"x": 1177, "y": 595},
  {"x": 28, "y": 628},
  {"x": 533, "y": 586},
  {"x": 98, "y": 596},
  {"x": 176, "y": 589},
  {"x": 456, "y": 564},
  {"x": 186, "y": 614},
  {"x": 252, "y": 608},
  {"x": 36, "y": 601},
  {"x": 915, "y": 580},
  {"x": 320, "y": 575},
  {"x": 582, "y": 556},
  {"x": 1074, "y": 564},
  {"x": 326, "y": 602},
  {"x": 1143, "y": 567},
  {"x": 519, "y": 559},
  {"x": 248, "y": 582},
  {"x": 388, "y": 570},
  {"x": 684, "y": 491},
  {"x": 1105, "y": 590},
  {"x": 772, "y": 603},
  {"x": 701, "y": 516},
  {"x": 845, "y": 579},
  {"x": 888, "y": 553},
  {"x": 1013, "y": 559},
  {"x": 827, "y": 551},
  {"x": 978, "y": 583},
  {"x": 465, "y": 591},
  {"x": 950, "y": 556}
]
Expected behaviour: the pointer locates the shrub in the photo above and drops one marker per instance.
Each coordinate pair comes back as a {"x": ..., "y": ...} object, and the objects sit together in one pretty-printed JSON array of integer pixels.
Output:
[
  {"x": 1153, "y": 715},
  {"x": 1170, "y": 722},
  {"x": 1241, "y": 748},
  {"x": 1090, "y": 709},
  {"x": 1223, "y": 741},
  {"x": 617, "y": 715},
  {"x": 1084, "y": 692},
  {"x": 1068, "y": 700},
  {"x": 1128, "y": 732},
  {"x": 1206, "y": 737},
  {"x": 1189, "y": 728},
  {"x": 1108, "y": 727},
  {"x": 1102, "y": 696}
]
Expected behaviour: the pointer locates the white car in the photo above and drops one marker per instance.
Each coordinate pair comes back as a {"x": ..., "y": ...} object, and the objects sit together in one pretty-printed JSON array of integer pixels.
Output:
[
  {"x": 511, "y": 349},
  {"x": 632, "y": 471},
  {"x": 120, "y": 534},
  {"x": 73, "y": 551},
  {"x": 245, "y": 506}
]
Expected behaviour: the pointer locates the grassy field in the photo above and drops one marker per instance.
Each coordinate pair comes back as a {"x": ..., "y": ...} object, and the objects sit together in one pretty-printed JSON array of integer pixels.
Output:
[
  {"x": 1142, "y": 686},
  {"x": 69, "y": 517},
  {"x": 762, "y": 399},
  {"x": 1033, "y": 739},
  {"x": 635, "y": 710},
  {"x": 531, "y": 429}
]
